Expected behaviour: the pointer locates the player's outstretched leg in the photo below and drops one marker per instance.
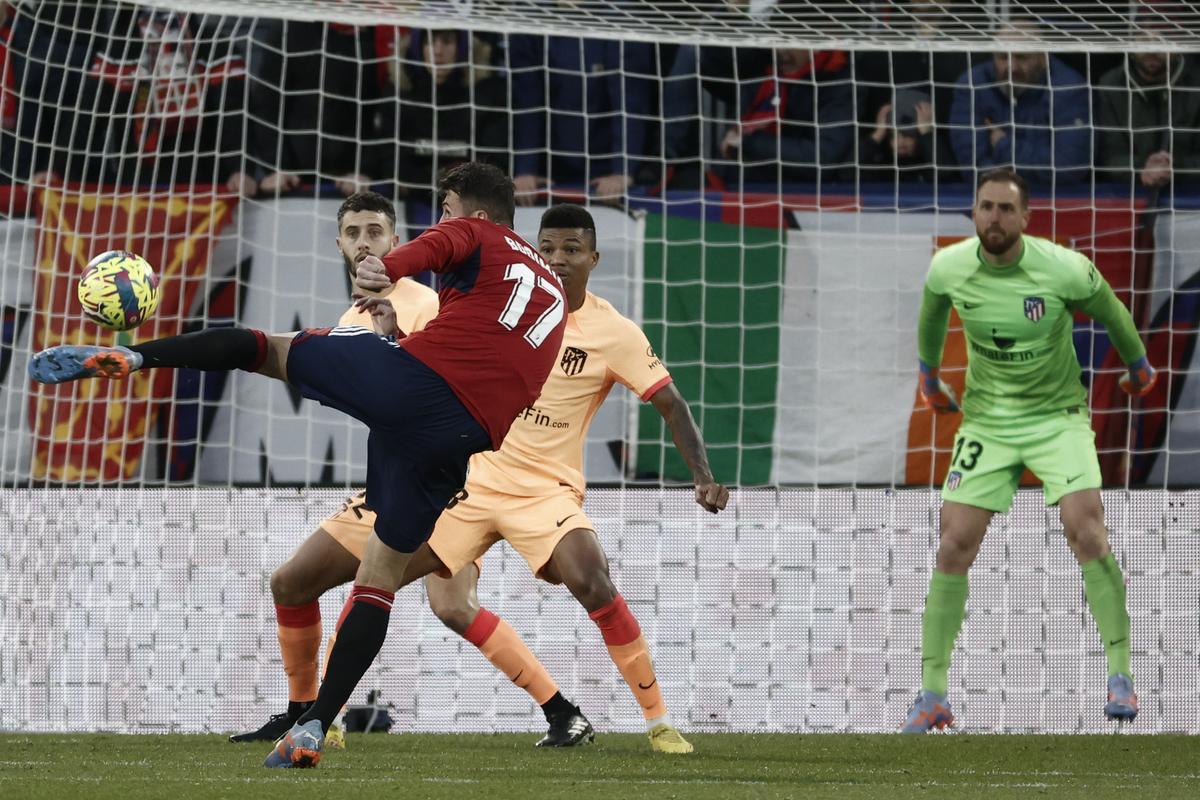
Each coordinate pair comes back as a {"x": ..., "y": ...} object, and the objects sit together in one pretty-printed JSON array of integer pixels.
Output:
[
  {"x": 579, "y": 563},
  {"x": 455, "y": 602},
  {"x": 213, "y": 349}
]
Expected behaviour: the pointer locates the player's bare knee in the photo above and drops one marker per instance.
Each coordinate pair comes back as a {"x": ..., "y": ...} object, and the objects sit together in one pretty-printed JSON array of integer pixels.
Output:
[
  {"x": 956, "y": 553},
  {"x": 594, "y": 590},
  {"x": 1088, "y": 542},
  {"x": 455, "y": 610},
  {"x": 287, "y": 589}
]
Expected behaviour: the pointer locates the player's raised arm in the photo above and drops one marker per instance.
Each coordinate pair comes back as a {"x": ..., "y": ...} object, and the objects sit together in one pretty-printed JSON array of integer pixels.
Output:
[
  {"x": 1103, "y": 306},
  {"x": 931, "y": 339},
  {"x": 690, "y": 444}
]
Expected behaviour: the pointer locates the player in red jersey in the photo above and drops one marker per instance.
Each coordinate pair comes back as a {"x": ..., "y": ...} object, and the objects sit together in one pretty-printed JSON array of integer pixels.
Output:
[{"x": 430, "y": 401}]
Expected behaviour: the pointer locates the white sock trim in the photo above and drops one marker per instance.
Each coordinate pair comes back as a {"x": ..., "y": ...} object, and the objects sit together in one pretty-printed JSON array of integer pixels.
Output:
[{"x": 665, "y": 719}]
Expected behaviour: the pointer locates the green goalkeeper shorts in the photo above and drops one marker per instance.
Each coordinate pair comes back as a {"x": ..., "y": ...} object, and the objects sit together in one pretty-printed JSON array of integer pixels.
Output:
[{"x": 987, "y": 460}]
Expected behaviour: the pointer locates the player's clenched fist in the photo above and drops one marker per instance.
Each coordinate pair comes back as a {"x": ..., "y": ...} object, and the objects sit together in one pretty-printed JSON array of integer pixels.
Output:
[
  {"x": 371, "y": 276},
  {"x": 1140, "y": 378},
  {"x": 936, "y": 393},
  {"x": 713, "y": 496}
]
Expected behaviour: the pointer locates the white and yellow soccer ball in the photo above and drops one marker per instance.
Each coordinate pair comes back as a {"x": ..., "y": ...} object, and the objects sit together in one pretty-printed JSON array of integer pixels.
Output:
[{"x": 118, "y": 290}]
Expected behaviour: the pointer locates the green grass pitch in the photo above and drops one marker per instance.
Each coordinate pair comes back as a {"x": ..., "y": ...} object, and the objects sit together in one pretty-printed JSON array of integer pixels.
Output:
[{"x": 499, "y": 767}]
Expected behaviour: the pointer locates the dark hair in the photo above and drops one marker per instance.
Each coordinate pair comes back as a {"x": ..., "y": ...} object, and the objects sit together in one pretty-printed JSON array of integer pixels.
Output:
[
  {"x": 367, "y": 201},
  {"x": 1005, "y": 175},
  {"x": 569, "y": 215},
  {"x": 482, "y": 187}
]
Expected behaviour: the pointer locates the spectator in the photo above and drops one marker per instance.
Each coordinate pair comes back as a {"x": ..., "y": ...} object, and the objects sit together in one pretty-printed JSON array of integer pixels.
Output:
[
  {"x": 796, "y": 121},
  {"x": 1148, "y": 120},
  {"x": 168, "y": 95},
  {"x": 580, "y": 112},
  {"x": 48, "y": 71},
  {"x": 880, "y": 74},
  {"x": 1029, "y": 111},
  {"x": 905, "y": 145},
  {"x": 313, "y": 90},
  {"x": 698, "y": 84},
  {"x": 450, "y": 106}
]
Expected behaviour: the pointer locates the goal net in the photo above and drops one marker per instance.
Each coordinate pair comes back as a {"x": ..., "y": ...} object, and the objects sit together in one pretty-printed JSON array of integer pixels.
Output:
[{"x": 769, "y": 181}]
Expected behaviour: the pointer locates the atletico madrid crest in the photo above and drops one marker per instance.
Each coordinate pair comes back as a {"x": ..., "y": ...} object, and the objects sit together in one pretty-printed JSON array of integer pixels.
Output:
[
  {"x": 1035, "y": 308},
  {"x": 952, "y": 480}
]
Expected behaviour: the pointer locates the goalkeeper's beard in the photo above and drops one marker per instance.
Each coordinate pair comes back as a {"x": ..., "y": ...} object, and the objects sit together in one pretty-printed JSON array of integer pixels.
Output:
[{"x": 1006, "y": 242}]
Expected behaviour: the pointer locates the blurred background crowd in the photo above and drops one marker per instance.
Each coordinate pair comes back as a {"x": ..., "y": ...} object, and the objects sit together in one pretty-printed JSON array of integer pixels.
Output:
[{"x": 116, "y": 94}]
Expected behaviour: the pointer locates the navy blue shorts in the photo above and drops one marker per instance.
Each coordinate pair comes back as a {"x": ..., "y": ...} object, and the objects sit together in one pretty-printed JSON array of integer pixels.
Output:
[{"x": 421, "y": 434}]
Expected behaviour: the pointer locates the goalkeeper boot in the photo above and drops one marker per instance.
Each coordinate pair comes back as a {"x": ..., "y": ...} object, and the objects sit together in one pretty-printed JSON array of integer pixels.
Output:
[
  {"x": 274, "y": 727},
  {"x": 666, "y": 738},
  {"x": 70, "y": 362},
  {"x": 1122, "y": 703},
  {"x": 568, "y": 730},
  {"x": 930, "y": 710},
  {"x": 299, "y": 747}
]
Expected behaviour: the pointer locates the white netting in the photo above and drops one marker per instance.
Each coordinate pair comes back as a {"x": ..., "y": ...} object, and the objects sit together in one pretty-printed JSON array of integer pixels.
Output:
[{"x": 769, "y": 224}]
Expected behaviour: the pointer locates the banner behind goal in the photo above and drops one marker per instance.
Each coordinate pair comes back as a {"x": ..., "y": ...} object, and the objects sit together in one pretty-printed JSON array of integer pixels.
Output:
[{"x": 762, "y": 216}]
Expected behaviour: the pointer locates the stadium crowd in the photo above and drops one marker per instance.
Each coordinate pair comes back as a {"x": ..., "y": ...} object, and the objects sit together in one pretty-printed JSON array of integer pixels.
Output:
[{"x": 112, "y": 93}]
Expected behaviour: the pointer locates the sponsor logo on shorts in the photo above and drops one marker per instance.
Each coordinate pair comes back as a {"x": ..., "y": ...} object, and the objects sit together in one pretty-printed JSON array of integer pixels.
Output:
[
  {"x": 559, "y": 523},
  {"x": 1035, "y": 308},
  {"x": 952, "y": 480},
  {"x": 573, "y": 360}
]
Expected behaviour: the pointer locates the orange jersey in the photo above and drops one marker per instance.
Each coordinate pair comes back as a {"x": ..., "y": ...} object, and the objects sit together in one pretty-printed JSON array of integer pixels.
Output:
[
  {"x": 544, "y": 447},
  {"x": 414, "y": 302}
]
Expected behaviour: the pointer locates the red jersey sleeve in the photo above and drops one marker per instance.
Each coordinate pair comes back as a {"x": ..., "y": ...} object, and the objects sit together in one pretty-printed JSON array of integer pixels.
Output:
[{"x": 440, "y": 247}]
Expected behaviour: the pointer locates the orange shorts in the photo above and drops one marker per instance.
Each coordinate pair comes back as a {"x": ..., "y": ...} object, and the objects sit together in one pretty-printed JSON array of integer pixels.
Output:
[
  {"x": 352, "y": 525},
  {"x": 532, "y": 525}
]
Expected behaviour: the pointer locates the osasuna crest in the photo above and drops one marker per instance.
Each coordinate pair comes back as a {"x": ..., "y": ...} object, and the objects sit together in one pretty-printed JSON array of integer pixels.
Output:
[
  {"x": 573, "y": 360},
  {"x": 1035, "y": 308},
  {"x": 952, "y": 480}
]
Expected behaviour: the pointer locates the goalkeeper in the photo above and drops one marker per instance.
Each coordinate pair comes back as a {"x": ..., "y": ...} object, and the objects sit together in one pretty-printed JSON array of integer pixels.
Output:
[{"x": 1025, "y": 406}]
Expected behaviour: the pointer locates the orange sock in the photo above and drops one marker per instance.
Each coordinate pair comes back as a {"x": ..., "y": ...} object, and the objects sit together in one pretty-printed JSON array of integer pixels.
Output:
[
  {"x": 507, "y": 651},
  {"x": 333, "y": 636},
  {"x": 631, "y": 654},
  {"x": 299, "y": 642}
]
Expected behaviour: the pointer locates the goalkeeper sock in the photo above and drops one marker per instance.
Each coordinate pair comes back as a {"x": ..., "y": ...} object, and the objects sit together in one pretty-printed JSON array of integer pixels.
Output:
[
  {"x": 359, "y": 640},
  {"x": 631, "y": 654},
  {"x": 299, "y": 641},
  {"x": 1104, "y": 586},
  {"x": 945, "y": 606},
  {"x": 214, "y": 348},
  {"x": 507, "y": 651}
]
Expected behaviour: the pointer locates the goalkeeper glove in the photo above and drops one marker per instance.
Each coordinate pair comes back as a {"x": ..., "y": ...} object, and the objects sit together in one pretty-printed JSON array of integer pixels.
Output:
[
  {"x": 1140, "y": 378},
  {"x": 937, "y": 394}
]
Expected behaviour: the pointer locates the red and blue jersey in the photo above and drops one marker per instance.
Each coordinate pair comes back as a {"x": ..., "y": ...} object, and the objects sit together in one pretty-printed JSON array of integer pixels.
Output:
[{"x": 500, "y": 323}]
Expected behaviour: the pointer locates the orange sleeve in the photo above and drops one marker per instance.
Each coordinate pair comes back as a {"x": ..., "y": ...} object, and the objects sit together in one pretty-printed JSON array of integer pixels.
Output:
[{"x": 632, "y": 360}]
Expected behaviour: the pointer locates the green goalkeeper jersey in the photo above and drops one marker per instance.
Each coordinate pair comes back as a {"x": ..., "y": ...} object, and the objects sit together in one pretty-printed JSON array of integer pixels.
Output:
[{"x": 1018, "y": 323}]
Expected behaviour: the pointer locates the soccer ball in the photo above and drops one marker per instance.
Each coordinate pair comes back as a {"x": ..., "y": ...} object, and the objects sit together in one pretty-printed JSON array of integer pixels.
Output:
[{"x": 118, "y": 290}]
